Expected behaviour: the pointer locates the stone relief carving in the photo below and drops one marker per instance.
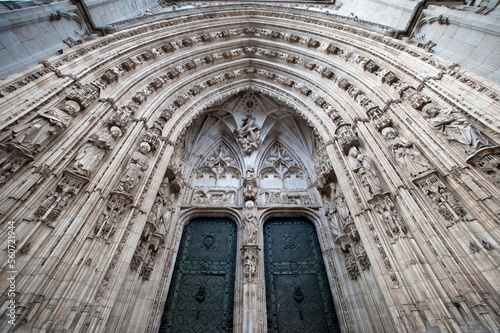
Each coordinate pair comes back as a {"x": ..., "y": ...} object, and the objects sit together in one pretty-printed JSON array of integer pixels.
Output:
[
  {"x": 214, "y": 197},
  {"x": 250, "y": 185},
  {"x": 346, "y": 136},
  {"x": 248, "y": 135},
  {"x": 110, "y": 218},
  {"x": 250, "y": 223},
  {"x": 488, "y": 161},
  {"x": 445, "y": 202},
  {"x": 133, "y": 173},
  {"x": 405, "y": 152},
  {"x": 393, "y": 223},
  {"x": 250, "y": 256},
  {"x": 455, "y": 128},
  {"x": 31, "y": 137},
  {"x": 285, "y": 198},
  {"x": 220, "y": 165},
  {"x": 152, "y": 237},
  {"x": 362, "y": 166},
  {"x": 90, "y": 154},
  {"x": 280, "y": 164}
]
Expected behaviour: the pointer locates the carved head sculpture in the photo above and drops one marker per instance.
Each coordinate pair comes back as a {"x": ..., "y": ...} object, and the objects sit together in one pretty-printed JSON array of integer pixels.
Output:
[
  {"x": 70, "y": 107},
  {"x": 115, "y": 132},
  {"x": 145, "y": 148},
  {"x": 431, "y": 109},
  {"x": 354, "y": 152},
  {"x": 389, "y": 133}
]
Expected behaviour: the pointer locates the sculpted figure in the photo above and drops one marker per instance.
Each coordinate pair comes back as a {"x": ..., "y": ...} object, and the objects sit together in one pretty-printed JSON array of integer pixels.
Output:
[
  {"x": 35, "y": 134},
  {"x": 405, "y": 152},
  {"x": 249, "y": 135},
  {"x": 362, "y": 165},
  {"x": 455, "y": 128},
  {"x": 137, "y": 165},
  {"x": 250, "y": 223},
  {"x": 91, "y": 154}
]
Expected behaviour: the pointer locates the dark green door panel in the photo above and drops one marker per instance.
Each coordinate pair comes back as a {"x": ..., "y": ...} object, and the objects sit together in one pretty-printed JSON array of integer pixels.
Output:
[
  {"x": 200, "y": 297},
  {"x": 298, "y": 296}
]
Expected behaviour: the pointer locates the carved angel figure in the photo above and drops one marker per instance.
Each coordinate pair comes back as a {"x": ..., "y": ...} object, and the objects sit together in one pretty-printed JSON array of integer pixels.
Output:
[
  {"x": 91, "y": 154},
  {"x": 455, "y": 128},
  {"x": 137, "y": 165},
  {"x": 405, "y": 152},
  {"x": 362, "y": 165},
  {"x": 249, "y": 135}
]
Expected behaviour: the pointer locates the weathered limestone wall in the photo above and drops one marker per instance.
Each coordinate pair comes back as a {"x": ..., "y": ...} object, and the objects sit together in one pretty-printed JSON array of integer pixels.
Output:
[{"x": 401, "y": 160}]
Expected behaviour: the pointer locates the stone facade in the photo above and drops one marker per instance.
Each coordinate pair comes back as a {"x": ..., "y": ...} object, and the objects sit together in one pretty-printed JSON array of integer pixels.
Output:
[{"x": 249, "y": 112}]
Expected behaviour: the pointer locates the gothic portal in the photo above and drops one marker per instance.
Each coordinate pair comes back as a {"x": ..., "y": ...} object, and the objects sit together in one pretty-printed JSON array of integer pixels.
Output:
[{"x": 250, "y": 167}]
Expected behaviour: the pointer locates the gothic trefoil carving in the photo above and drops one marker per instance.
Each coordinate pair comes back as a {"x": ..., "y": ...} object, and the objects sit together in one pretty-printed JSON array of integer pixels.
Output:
[{"x": 248, "y": 135}]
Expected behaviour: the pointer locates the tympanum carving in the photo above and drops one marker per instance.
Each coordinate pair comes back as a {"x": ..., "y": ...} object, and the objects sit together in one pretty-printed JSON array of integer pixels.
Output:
[{"x": 249, "y": 135}]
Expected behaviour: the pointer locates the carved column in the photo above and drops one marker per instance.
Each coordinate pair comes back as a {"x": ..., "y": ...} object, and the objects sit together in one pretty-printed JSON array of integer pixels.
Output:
[{"x": 250, "y": 254}]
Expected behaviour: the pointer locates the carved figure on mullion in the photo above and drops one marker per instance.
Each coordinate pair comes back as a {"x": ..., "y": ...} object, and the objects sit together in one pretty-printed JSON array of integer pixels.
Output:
[
  {"x": 137, "y": 165},
  {"x": 458, "y": 130},
  {"x": 362, "y": 166},
  {"x": 249, "y": 135},
  {"x": 250, "y": 185},
  {"x": 250, "y": 223},
  {"x": 405, "y": 152}
]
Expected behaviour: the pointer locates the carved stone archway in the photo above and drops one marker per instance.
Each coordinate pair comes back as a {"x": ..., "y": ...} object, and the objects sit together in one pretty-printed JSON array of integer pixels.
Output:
[{"x": 397, "y": 154}]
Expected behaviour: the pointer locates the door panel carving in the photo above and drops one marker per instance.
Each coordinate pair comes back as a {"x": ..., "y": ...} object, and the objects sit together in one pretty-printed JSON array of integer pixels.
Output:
[
  {"x": 297, "y": 293},
  {"x": 201, "y": 293}
]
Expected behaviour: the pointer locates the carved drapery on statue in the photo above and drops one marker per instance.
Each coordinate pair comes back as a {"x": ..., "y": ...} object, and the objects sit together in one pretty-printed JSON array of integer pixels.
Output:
[
  {"x": 133, "y": 173},
  {"x": 29, "y": 139},
  {"x": 405, "y": 152},
  {"x": 362, "y": 166},
  {"x": 455, "y": 128},
  {"x": 90, "y": 155},
  {"x": 248, "y": 135}
]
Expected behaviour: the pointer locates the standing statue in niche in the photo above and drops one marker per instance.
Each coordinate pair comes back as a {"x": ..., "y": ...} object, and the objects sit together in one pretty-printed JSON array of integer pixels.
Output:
[
  {"x": 405, "y": 153},
  {"x": 90, "y": 155},
  {"x": 362, "y": 166},
  {"x": 32, "y": 136},
  {"x": 249, "y": 135},
  {"x": 455, "y": 128},
  {"x": 250, "y": 223},
  {"x": 137, "y": 165}
]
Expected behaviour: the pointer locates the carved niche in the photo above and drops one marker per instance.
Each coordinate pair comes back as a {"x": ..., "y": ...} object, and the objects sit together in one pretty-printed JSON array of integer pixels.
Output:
[{"x": 152, "y": 237}]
